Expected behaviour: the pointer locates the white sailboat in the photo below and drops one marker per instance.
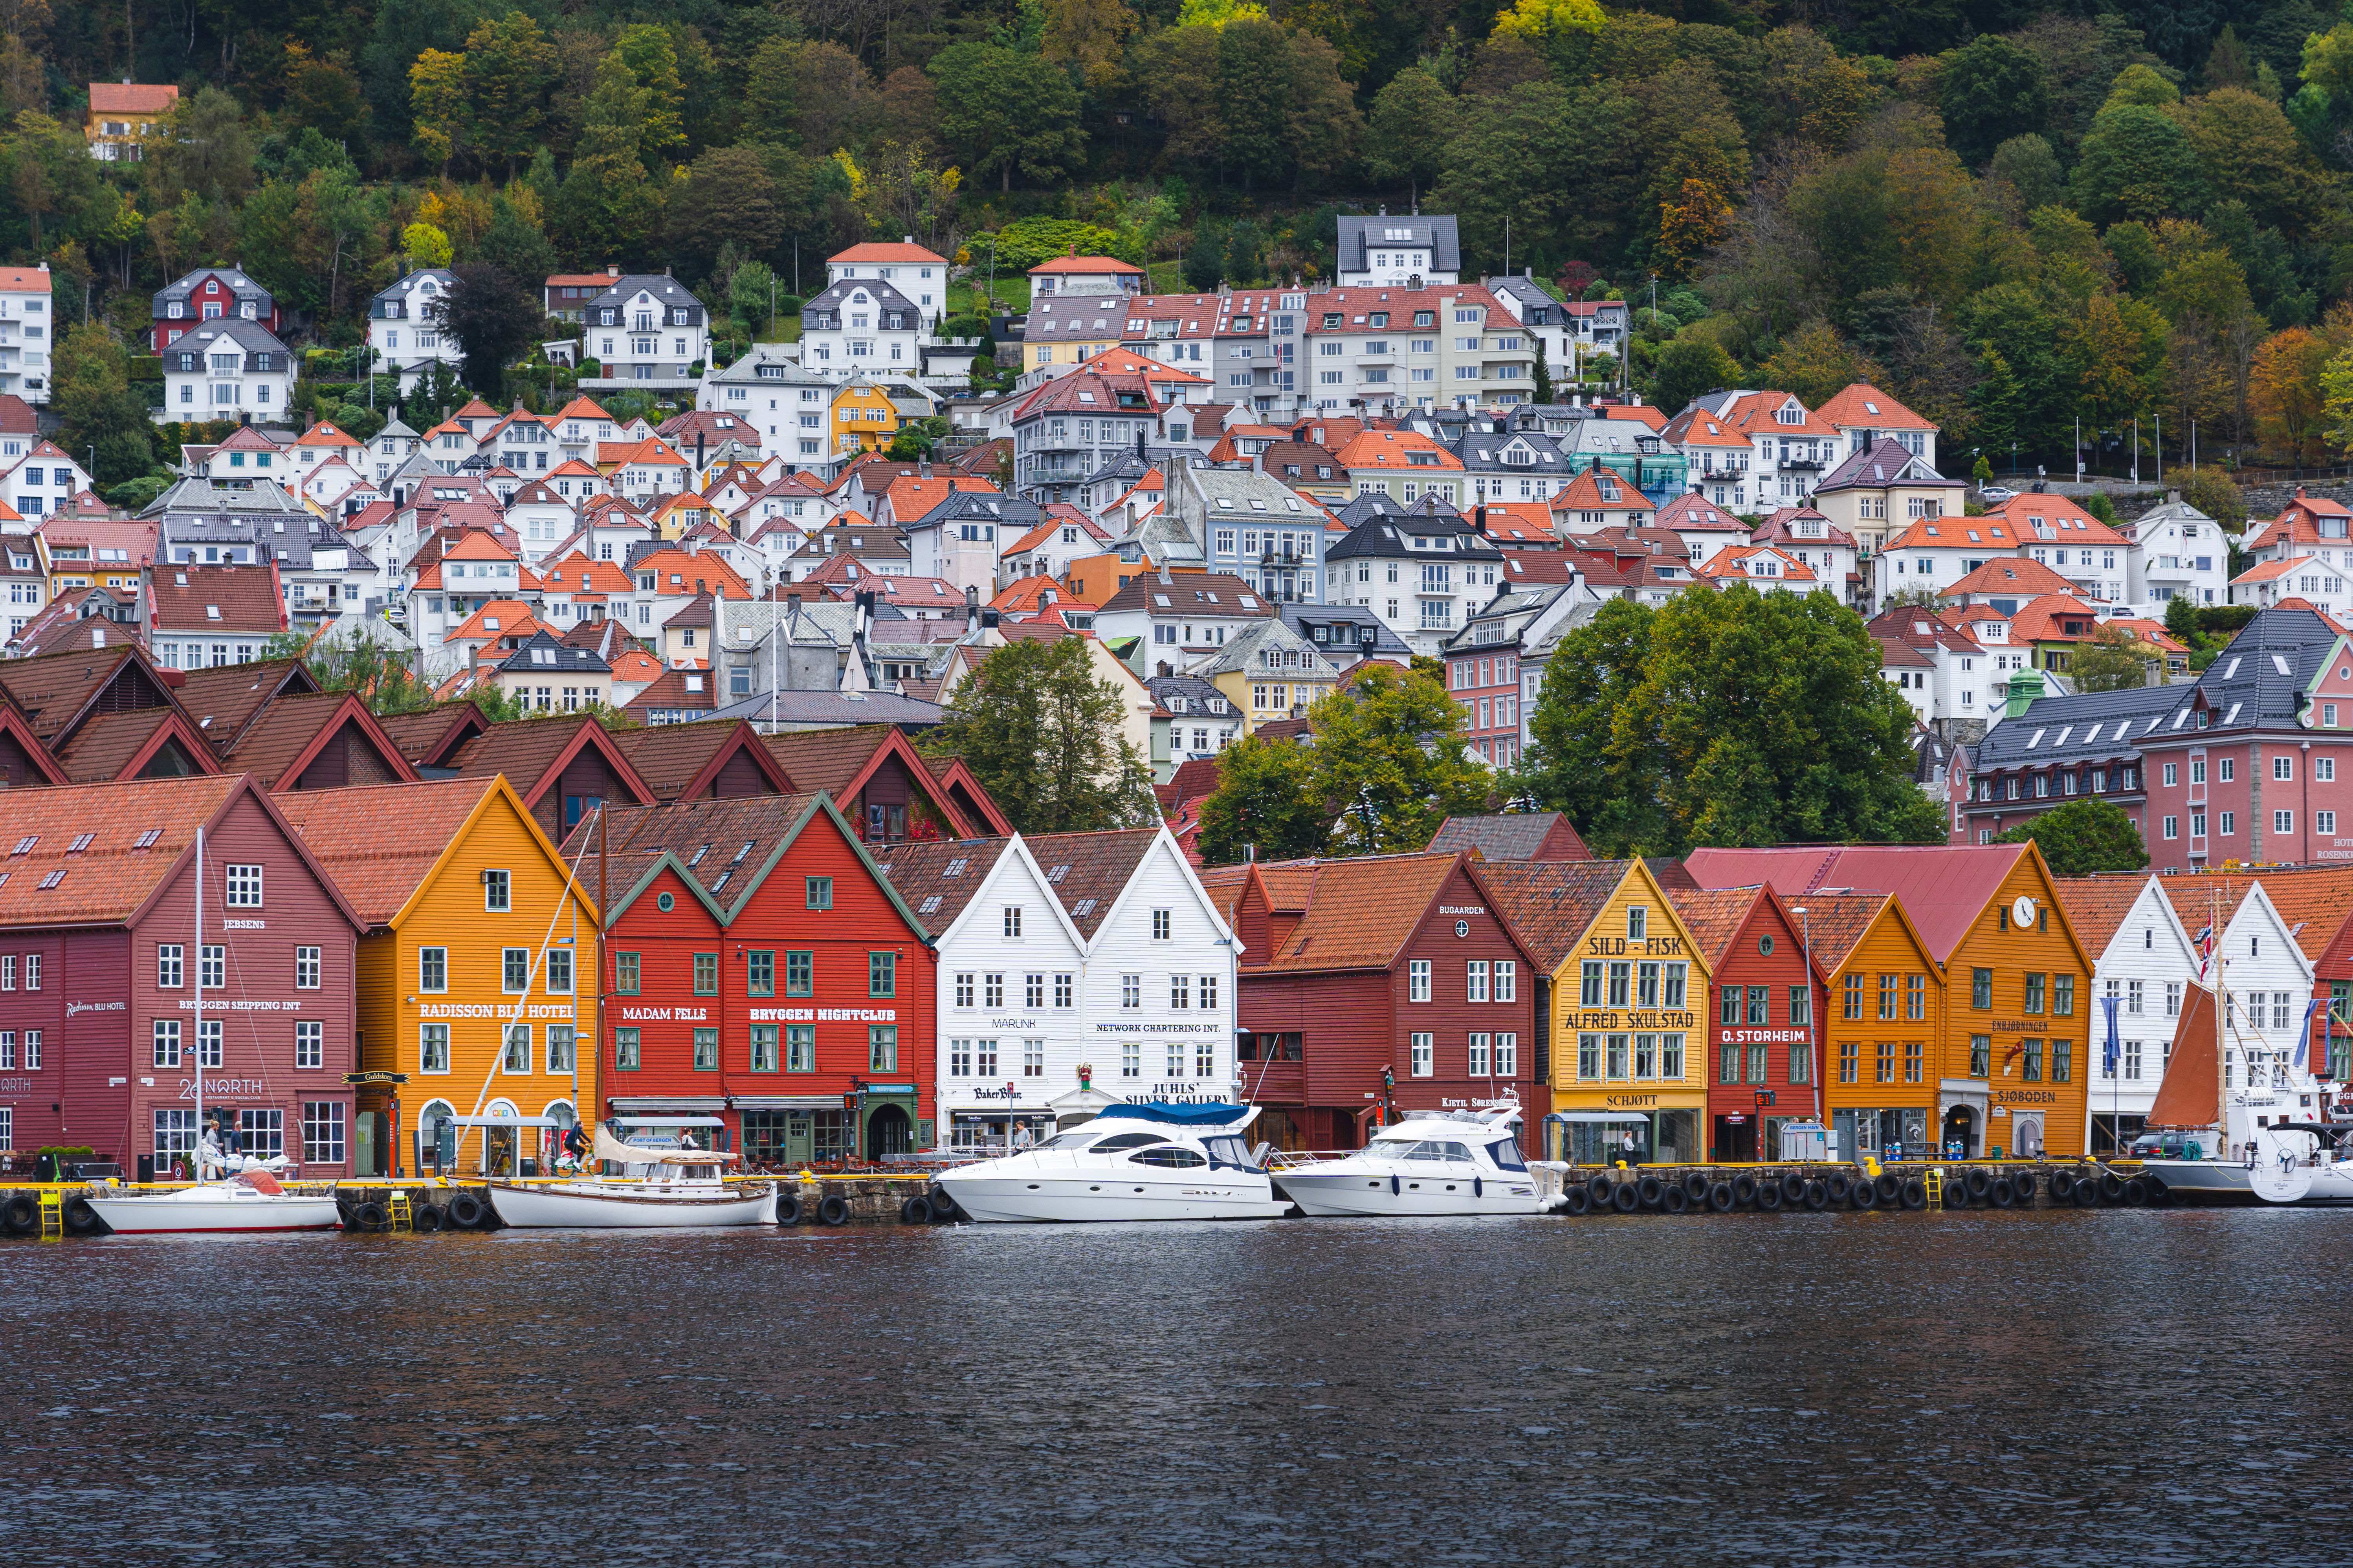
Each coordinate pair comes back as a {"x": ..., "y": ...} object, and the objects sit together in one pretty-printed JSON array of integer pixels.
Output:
[
  {"x": 246, "y": 1196},
  {"x": 676, "y": 1189},
  {"x": 2269, "y": 1142}
]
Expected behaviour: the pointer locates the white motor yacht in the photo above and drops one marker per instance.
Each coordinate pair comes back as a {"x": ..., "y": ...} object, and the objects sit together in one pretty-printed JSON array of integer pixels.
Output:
[
  {"x": 1133, "y": 1161},
  {"x": 661, "y": 1189},
  {"x": 1450, "y": 1162}
]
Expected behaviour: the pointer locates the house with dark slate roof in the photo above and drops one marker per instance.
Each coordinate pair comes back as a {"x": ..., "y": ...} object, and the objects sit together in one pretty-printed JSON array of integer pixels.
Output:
[
  {"x": 2049, "y": 751},
  {"x": 1513, "y": 835}
]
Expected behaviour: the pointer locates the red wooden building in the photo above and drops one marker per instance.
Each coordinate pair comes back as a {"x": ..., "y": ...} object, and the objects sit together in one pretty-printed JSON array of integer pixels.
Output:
[
  {"x": 101, "y": 1036},
  {"x": 761, "y": 970},
  {"x": 1763, "y": 1056},
  {"x": 1391, "y": 964}
]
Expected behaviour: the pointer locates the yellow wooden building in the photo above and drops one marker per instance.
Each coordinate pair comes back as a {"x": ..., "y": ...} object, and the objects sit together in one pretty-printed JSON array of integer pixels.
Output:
[
  {"x": 864, "y": 417},
  {"x": 1629, "y": 1077},
  {"x": 1881, "y": 1008},
  {"x": 476, "y": 975}
]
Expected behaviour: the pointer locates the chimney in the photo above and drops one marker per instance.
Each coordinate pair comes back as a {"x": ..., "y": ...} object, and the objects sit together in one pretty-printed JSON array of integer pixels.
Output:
[
  {"x": 906, "y": 240},
  {"x": 612, "y": 270},
  {"x": 971, "y": 608},
  {"x": 1479, "y": 518}
]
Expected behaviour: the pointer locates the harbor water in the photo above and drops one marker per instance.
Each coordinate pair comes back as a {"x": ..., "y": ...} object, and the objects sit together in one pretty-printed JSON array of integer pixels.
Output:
[{"x": 2118, "y": 1386}]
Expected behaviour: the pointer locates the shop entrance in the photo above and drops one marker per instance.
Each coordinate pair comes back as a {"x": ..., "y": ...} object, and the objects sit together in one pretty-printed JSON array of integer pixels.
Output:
[
  {"x": 1961, "y": 1139},
  {"x": 1735, "y": 1138},
  {"x": 890, "y": 1131}
]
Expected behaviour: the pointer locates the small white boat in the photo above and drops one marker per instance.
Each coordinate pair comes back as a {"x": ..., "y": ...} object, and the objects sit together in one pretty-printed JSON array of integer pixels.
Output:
[
  {"x": 678, "y": 1189},
  {"x": 1131, "y": 1163},
  {"x": 1452, "y": 1163},
  {"x": 250, "y": 1201}
]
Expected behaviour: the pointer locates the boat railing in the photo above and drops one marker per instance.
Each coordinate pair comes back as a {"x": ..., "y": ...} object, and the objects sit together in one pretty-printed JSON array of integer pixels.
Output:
[{"x": 1292, "y": 1159}]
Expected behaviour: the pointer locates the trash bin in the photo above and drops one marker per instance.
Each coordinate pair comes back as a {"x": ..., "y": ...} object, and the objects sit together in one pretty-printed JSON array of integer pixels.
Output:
[{"x": 146, "y": 1168}]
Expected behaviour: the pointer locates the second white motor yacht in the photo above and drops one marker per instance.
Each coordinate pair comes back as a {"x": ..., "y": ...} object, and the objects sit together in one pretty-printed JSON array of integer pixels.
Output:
[
  {"x": 1133, "y": 1161},
  {"x": 1445, "y": 1162}
]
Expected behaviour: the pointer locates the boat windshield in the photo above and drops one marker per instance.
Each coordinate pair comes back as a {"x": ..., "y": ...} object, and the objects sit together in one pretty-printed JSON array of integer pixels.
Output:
[
  {"x": 1506, "y": 1155},
  {"x": 1228, "y": 1149},
  {"x": 1129, "y": 1141}
]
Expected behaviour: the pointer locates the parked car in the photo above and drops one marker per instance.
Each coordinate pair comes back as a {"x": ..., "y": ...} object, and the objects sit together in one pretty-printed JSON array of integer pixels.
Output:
[
  {"x": 2168, "y": 1145},
  {"x": 1994, "y": 495}
]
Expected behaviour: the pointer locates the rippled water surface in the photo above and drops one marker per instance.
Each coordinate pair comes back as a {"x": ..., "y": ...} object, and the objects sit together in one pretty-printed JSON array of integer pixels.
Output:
[{"x": 2057, "y": 1387}]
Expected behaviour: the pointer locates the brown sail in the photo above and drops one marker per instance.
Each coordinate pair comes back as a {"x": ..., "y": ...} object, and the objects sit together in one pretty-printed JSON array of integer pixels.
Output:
[{"x": 2186, "y": 1096}]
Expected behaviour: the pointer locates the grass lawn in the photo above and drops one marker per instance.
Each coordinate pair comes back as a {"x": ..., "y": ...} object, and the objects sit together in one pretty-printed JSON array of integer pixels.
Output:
[{"x": 969, "y": 299}]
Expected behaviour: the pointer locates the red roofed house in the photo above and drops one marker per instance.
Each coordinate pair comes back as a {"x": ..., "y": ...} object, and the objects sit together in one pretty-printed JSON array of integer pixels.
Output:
[
  {"x": 1863, "y": 416},
  {"x": 566, "y": 294},
  {"x": 204, "y": 615},
  {"x": 1704, "y": 527},
  {"x": 121, "y": 114},
  {"x": 1368, "y": 986},
  {"x": 1761, "y": 566},
  {"x": 103, "y": 1038},
  {"x": 1813, "y": 538},
  {"x": 1598, "y": 499},
  {"x": 2303, "y": 577}
]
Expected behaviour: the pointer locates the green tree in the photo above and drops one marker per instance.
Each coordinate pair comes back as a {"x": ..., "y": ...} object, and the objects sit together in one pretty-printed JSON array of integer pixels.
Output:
[
  {"x": 1543, "y": 371},
  {"x": 509, "y": 70},
  {"x": 493, "y": 319},
  {"x": 1988, "y": 88},
  {"x": 206, "y": 148},
  {"x": 2032, "y": 169},
  {"x": 2181, "y": 621},
  {"x": 1406, "y": 135},
  {"x": 2082, "y": 837},
  {"x": 1814, "y": 364},
  {"x": 608, "y": 206},
  {"x": 1004, "y": 111},
  {"x": 2137, "y": 162},
  {"x": 1737, "y": 718},
  {"x": 513, "y": 243},
  {"x": 1253, "y": 97},
  {"x": 1390, "y": 763},
  {"x": 1265, "y": 805},
  {"x": 1689, "y": 366},
  {"x": 2112, "y": 660},
  {"x": 727, "y": 198},
  {"x": 652, "y": 58},
  {"x": 1509, "y": 158},
  {"x": 1041, "y": 733},
  {"x": 89, "y": 391}
]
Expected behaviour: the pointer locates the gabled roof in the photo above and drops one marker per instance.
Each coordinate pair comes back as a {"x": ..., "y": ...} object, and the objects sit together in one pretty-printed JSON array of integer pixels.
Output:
[
  {"x": 384, "y": 844},
  {"x": 840, "y": 761},
  {"x": 1360, "y": 913},
  {"x": 57, "y": 689},
  {"x": 1517, "y": 835},
  {"x": 1551, "y": 904},
  {"x": 940, "y": 878},
  {"x": 884, "y": 251},
  {"x": 290, "y": 733},
  {"x": 1864, "y": 407},
  {"x": 224, "y": 699},
  {"x": 2097, "y": 906},
  {"x": 113, "y": 879},
  {"x": 724, "y": 849},
  {"x": 1944, "y": 888},
  {"x": 2011, "y": 577},
  {"x": 1397, "y": 449},
  {"x": 424, "y": 737},
  {"x": 124, "y": 743},
  {"x": 533, "y": 753},
  {"x": 1087, "y": 871},
  {"x": 1884, "y": 463},
  {"x": 682, "y": 760}
]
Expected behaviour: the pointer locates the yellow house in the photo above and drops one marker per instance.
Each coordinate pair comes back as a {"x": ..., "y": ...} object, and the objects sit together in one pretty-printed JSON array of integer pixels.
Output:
[
  {"x": 1269, "y": 672},
  {"x": 477, "y": 976},
  {"x": 864, "y": 417},
  {"x": 121, "y": 114},
  {"x": 1629, "y": 1042}
]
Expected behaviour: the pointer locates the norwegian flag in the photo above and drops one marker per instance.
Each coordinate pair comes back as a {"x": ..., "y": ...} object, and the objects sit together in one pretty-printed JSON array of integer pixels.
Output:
[{"x": 2205, "y": 949}]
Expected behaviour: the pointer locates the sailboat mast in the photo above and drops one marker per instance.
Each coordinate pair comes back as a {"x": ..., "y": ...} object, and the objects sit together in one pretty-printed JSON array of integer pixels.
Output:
[
  {"x": 196, "y": 1155},
  {"x": 2221, "y": 1021}
]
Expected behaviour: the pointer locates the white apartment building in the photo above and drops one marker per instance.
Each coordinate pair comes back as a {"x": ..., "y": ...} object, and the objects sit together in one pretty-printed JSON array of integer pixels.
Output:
[
  {"x": 861, "y": 326},
  {"x": 1391, "y": 351},
  {"x": 645, "y": 329},
  {"x": 1076, "y": 971},
  {"x": 919, "y": 274},
  {"x": 25, "y": 327},
  {"x": 404, "y": 329},
  {"x": 227, "y": 369},
  {"x": 1411, "y": 251}
]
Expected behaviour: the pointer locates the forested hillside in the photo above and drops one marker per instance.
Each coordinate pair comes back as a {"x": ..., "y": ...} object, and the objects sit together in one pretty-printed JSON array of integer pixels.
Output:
[{"x": 2011, "y": 216}]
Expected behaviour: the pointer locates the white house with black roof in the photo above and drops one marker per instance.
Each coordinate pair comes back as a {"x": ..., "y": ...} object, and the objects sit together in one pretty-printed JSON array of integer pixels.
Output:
[
  {"x": 1347, "y": 633},
  {"x": 1508, "y": 464},
  {"x": 227, "y": 369},
  {"x": 861, "y": 326},
  {"x": 1421, "y": 567},
  {"x": 1202, "y": 721},
  {"x": 962, "y": 537},
  {"x": 649, "y": 333},
  {"x": 552, "y": 677},
  {"x": 1408, "y": 252},
  {"x": 1482, "y": 664},
  {"x": 404, "y": 326}
]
